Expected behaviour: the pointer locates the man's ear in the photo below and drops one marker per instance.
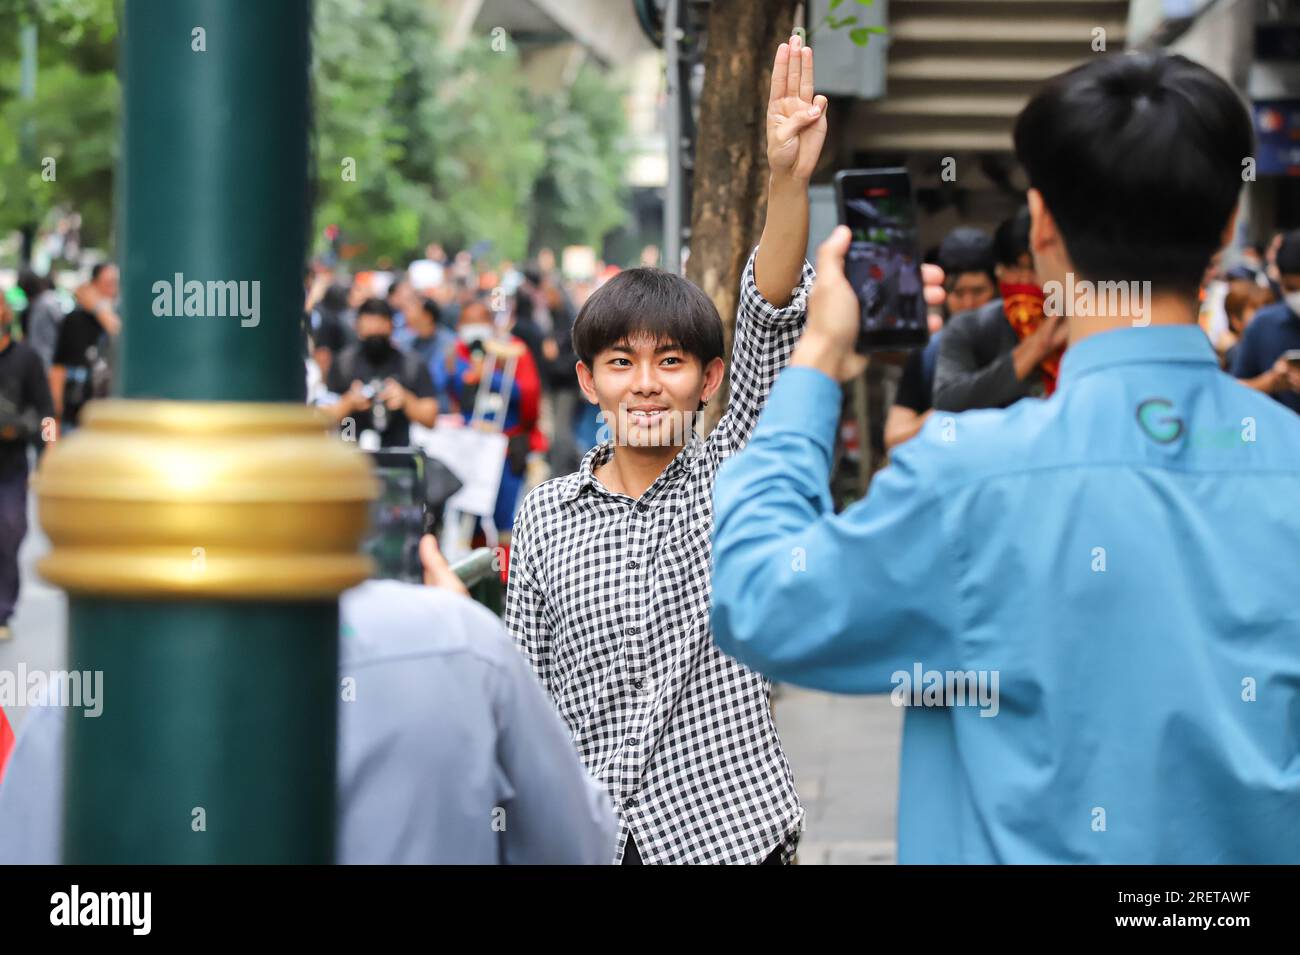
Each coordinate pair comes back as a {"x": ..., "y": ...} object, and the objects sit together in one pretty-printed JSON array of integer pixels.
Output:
[
  {"x": 1046, "y": 247},
  {"x": 713, "y": 372},
  {"x": 586, "y": 382},
  {"x": 1042, "y": 227}
]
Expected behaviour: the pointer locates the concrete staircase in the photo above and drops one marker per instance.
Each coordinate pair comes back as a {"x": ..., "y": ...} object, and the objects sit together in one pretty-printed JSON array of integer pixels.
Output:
[{"x": 960, "y": 70}]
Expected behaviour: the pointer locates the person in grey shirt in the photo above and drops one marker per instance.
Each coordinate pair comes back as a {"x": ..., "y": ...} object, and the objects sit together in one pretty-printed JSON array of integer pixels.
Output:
[
  {"x": 43, "y": 316},
  {"x": 982, "y": 363},
  {"x": 449, "y": 751}
]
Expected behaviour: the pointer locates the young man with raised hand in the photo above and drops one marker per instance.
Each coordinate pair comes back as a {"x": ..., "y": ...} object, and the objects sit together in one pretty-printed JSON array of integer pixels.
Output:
[
  {"x": 609, "y": 580},
  {"x": 1116, "y": 564}
]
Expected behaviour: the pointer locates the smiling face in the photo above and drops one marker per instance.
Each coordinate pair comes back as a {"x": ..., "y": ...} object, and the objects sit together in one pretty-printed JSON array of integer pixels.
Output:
[{"x": 649, "y": 392}]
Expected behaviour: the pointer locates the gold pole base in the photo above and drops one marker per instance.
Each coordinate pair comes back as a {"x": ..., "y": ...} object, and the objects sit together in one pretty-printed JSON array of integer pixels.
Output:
[{"x": 220, "y": 500}]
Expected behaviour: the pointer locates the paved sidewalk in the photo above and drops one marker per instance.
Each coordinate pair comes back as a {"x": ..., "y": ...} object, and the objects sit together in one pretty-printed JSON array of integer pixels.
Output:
[{"x": 844, "y": 753}]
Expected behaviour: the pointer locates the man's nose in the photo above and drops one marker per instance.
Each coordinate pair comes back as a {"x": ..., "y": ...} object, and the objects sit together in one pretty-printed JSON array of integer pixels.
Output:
[{"x": 646, "y": 382}]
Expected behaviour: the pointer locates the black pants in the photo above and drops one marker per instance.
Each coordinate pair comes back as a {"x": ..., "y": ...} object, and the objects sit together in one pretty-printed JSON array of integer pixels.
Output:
[
  {"x": 13, "y": 528},
  {"x": 632, "y": 857}
]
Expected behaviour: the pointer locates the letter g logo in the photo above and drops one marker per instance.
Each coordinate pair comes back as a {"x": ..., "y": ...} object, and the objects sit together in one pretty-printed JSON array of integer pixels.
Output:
[{"x": 1159, "y": 426}]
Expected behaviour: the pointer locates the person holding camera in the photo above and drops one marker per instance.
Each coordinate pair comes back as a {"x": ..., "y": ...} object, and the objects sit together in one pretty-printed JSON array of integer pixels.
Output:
[
  {"x": 497, "y": 782},
  {"x": 381, "y": 388},
  {"x": 1110, "y": 570}
]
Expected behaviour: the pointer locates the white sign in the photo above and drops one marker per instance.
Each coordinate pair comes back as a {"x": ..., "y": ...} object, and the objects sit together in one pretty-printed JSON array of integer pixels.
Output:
[{"x": 475, "y": 457}]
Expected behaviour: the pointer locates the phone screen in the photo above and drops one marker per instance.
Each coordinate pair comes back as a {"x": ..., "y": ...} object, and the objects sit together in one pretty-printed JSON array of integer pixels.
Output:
[
  {"x": 882, "y": 264},
  {"x": 397, "y": 518}
]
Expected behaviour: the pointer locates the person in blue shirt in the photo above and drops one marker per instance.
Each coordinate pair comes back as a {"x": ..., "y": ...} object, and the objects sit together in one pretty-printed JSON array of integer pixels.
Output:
[
  {"x": 1086, "y": 603},
  {"x": 1260, "y": 357},
  {"x": 449, "y": 751}
]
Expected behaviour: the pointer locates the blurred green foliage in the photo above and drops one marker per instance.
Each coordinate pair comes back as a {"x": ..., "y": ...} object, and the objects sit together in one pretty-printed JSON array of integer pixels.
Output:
[{"x": 452, "y": 146}]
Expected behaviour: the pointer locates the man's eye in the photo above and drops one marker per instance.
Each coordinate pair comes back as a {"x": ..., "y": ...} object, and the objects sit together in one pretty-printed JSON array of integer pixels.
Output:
[
  {"x": 673, "y": 358},
  {"x": 615, "y": 361}
]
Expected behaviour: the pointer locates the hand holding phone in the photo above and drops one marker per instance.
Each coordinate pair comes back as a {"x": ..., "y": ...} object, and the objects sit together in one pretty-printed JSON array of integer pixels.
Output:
[{"x": 883, "y": 265}]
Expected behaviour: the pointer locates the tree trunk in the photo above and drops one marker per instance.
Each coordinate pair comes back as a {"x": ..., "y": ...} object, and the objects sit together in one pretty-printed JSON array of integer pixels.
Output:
[{"x": 730, "y": 188}]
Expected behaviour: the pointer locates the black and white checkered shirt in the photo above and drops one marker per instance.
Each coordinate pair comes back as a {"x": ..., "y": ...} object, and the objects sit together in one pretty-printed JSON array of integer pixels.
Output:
[{"x": 609, "y": 599}]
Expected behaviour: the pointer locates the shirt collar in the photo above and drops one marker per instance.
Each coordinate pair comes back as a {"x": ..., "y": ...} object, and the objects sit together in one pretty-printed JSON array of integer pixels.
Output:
[
  {"x": 586, "y": 476},
  {"x": 1155, "y": 344}
]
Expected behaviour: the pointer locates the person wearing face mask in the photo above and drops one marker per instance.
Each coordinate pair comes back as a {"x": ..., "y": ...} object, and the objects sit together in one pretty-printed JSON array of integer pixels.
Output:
[
  {"x": 1260, "y": 360},
  {"x": 1008, "y": 349},
  {"x": 382, "y": 388},
  {"x": 522, "y": 406}
]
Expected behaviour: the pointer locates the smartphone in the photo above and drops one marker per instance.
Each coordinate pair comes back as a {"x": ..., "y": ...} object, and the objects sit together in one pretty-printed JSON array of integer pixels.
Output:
[
  {"x": 883, "y": 264},
  {"x": 398, "y": 514}
]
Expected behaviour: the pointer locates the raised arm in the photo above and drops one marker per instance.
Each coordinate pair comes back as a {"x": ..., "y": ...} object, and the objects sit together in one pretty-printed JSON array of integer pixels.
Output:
[
  {"x": 774, "y": 285},
  {"x": 796, "y": 130}
]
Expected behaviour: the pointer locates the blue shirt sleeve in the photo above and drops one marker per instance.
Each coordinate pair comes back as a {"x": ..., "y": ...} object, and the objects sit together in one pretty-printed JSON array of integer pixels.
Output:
[{"x": 833, "y": 602}]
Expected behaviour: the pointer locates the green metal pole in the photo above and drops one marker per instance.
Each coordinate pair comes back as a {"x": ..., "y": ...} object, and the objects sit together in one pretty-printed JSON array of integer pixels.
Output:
[
  {"x": 213, "y": 186},
  {"x": 216, "y": 741}
]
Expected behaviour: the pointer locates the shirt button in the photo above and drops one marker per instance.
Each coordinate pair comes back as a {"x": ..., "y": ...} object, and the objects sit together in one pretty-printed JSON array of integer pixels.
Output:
[
  {"x": 633, "y": 630},
  {"x": 633, "y": 565},
  {"x": 631, "y": 741},
  {"x": 638, "y": 683}
]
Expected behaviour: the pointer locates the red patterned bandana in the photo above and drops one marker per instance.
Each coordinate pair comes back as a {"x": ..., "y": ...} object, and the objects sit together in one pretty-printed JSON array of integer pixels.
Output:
[{"x": 1022, "y": 304}]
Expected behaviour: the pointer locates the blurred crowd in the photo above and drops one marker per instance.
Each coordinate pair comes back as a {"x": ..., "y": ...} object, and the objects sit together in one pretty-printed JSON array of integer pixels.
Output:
[{"x": 995, "y": 341}]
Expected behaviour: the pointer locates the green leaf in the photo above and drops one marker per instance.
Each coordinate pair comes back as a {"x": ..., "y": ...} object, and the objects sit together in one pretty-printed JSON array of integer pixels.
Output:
[
  {"x": 866, "y": 3},
  {"x": 835, "y": 3},
  {"x": 862, "y": 35}
]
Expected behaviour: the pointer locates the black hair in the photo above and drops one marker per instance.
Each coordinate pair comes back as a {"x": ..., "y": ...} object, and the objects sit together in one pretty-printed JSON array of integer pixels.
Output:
[
  {"x": 1138, "y": 158},
  {"x": 335, "y": 299},
  {"x": 1011, "y": 238},
  {"x": 31, "y": 283},
  {"x": 648, "y": 302},
  {"x": 1288, "y": 253},
  {"x": 523, "y": 306},
  {"x": 431, "y": 309},
  {"x": 375, "y": 306},
  {"x": 98, "y": 269},
  {"x": 966, "y": 249}
]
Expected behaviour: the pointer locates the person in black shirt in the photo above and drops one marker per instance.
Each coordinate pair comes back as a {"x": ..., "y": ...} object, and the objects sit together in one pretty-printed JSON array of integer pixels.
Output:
[
  {"x": 984, "y": 360},
  {"x": 25, "y": 407},
  {"x": 80, "y": 368},
  {"x": 374, "y": 371},
  {"x": 969, "y": 278}
]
